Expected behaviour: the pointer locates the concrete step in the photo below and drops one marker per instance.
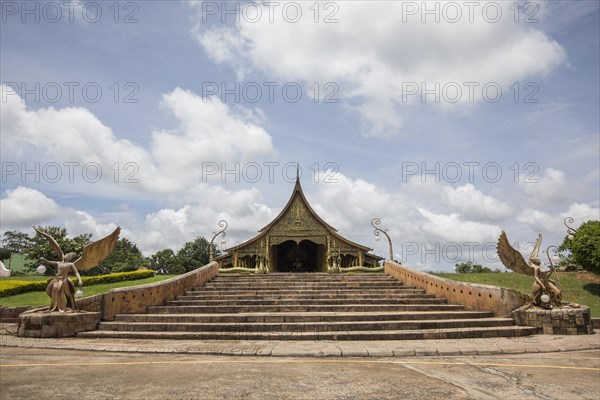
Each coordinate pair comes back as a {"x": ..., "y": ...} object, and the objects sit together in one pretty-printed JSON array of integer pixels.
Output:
[
  {"x": 304, "y": 326},
  {"x": 306, "y": 285},
  {"x": 276, "y": 290},
  {"x": 301, "y": 301},
  {"x": 303, "y": 308},
  {"x": 310, "y": 295},
  {"x": 307, "y": 307},
  {"x": 326, "y": 279},
  {"x": 304, "y": 316},
  {"x": 439, "y": 334}
]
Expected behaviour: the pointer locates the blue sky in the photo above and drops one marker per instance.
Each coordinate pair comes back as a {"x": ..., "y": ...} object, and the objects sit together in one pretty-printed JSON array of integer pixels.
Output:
[{"x": 159, "y": 124}]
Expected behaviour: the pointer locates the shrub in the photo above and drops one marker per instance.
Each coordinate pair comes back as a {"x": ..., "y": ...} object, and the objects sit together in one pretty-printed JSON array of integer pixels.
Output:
[
  {"x": 12, "y": 287},
  {"x": 116, "y": 277}
]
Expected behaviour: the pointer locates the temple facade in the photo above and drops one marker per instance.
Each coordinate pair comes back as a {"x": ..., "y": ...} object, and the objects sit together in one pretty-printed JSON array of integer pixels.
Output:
[{"x": 297, "y": 240}]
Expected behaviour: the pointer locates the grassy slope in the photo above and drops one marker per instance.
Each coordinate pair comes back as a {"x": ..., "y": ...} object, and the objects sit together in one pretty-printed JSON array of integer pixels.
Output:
[
  {"x": 42, "y": 299},
  {"x": 576, "y": 287},
  {"x": 16, "y": 263}
]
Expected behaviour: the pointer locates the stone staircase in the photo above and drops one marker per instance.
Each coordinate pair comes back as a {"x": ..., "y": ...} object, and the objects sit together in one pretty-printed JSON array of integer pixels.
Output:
[{"x": 308, "y": 306}]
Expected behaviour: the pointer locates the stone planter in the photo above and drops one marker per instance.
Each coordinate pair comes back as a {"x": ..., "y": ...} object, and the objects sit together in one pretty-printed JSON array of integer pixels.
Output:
[{"x": 559, "y": 321}]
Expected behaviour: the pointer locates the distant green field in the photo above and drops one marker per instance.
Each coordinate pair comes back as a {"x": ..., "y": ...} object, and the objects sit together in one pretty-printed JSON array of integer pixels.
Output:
[
  {"x": 16, "y": 263},
  {"x": 577, "y": 287},
  {"x": 42, "y": 299}
]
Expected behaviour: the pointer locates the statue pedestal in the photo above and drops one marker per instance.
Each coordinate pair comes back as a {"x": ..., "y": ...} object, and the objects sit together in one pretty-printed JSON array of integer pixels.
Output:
[
  {"x": 56, "y": 324},
  {"x": 559, "y": 321}
]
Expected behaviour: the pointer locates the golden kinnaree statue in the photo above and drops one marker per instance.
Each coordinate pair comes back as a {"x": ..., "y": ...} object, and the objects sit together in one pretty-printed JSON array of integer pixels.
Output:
[
  {"x": 61, "y": 289},
  {"x": 542, "y": 285}
]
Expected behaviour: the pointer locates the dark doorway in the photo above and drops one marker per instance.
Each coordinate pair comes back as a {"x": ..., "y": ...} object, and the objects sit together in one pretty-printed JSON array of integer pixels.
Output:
[{"x": 293, "y": 257}]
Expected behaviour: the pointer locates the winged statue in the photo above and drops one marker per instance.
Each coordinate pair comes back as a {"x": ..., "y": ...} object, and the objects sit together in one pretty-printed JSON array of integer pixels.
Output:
[
  {"x": 61, "y": 289},
  {"x": 542, "y": 284}
]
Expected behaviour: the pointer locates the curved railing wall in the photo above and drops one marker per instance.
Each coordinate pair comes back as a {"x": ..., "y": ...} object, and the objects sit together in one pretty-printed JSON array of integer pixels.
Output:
[
  {"x": 501, "y": 301},
  {"x": 137, "y": 299}
]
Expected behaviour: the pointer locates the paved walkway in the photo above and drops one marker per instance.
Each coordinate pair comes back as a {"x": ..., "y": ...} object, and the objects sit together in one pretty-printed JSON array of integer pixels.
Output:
[
  {"x": 95, "y": 375},
  {"x": 395, "y": 348}
]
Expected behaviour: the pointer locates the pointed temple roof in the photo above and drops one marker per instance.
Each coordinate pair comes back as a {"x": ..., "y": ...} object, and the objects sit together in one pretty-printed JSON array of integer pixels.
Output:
[{"x": 299, "y": 194}]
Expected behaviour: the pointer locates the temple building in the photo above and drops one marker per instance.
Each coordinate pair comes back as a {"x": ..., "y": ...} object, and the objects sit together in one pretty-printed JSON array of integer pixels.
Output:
[{"x": 297, "y": 240}]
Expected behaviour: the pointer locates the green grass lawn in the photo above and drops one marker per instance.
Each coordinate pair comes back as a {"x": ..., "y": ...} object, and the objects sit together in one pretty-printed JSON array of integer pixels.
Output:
[
  {"x": 577, "y": 287},
  {"x": 42, "y": 299}
]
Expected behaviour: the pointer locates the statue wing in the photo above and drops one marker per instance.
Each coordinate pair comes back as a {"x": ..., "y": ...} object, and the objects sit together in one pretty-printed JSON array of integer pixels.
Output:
[
  {"x": 511, "y": 258},
  {"x": 535, "y": 254},
  {"x": 94, "y": 253},
  {"x": 53, "y": 243}
]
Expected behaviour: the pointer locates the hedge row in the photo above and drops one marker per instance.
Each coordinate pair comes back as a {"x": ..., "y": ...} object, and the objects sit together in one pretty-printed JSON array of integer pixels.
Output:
[{"x": 12, "y": 287}]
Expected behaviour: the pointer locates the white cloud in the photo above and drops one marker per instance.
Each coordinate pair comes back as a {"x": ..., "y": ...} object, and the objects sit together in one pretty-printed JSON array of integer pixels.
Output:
[
  {"x": 376, "y": 63},
  {"x": 244, "y": 210},
  {"x": 452, "y": 228},
  {"x": 427, "y": 188},
  {"x": 351, "y": 204},
  {"x": 164, "y": 228},
  {"x": 172, "y": 165},
  {"x": 23, "y": 207},
  {"x": 542, "y": 221},
  {"x": 549, "y": 189},
  {"x": 471, "y": 202},
  {"x": 208, "y": 131},
  {"x": 78, "y": 222}
]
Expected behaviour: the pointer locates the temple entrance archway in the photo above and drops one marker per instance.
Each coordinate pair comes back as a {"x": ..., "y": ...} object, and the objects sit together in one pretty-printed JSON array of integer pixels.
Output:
[{"x": 306, "y": 256}]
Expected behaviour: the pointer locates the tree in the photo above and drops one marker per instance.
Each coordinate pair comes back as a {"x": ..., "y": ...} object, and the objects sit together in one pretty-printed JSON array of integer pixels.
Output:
[
  {"x": 125, "y": 257},
  {"x": 478, "y": 269},
  {"x": 464, "y": 268},
  {"x": 15, "y": 241},
  {"x": 195, "y": 254},
  {"x": 585, "y": 246},
  {"x": 470, "y": 268},
  {"x": 5, "y": 254},
  {"x": 165, "y": 262},
  {"x": 38, "y": 246}
]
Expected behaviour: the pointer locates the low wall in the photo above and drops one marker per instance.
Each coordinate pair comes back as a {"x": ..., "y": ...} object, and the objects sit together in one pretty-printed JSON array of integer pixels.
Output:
[
  {"x": 137, "y": 299},
  {"x": 501, "y": 301},
  {"x": 559, "y": 321},
  {"x": 56, "y": 324},
  {"x": 11, "y": 314}
]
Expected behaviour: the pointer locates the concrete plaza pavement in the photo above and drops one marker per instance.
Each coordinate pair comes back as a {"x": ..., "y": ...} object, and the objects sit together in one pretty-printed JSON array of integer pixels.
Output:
[
  {"x": 531, "y": 367},
  {"x": 27, "y": 373},
  {"x": 310, "y": 348}
]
